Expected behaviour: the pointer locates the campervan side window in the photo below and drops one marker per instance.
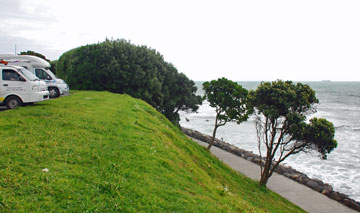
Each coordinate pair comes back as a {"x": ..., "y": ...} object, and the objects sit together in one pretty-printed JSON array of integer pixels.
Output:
[
  {"x": 42, "y": 74},
  {"x": 10, "y": 75}
]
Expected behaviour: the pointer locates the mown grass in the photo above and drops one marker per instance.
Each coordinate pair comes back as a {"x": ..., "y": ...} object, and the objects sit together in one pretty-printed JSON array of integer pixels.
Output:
[{"x": 107, "y": 152}]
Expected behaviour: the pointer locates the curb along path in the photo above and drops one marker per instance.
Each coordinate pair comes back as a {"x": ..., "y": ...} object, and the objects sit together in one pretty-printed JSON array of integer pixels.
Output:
[{"x": 301, "y": 195}]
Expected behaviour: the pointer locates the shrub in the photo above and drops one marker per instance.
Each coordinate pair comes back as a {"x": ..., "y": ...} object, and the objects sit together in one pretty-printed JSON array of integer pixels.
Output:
[{"x": 121, "y": 67}]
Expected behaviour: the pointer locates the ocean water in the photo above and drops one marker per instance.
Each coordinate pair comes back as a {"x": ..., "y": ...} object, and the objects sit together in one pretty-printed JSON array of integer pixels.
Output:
[{"x": 339, "y": 103}]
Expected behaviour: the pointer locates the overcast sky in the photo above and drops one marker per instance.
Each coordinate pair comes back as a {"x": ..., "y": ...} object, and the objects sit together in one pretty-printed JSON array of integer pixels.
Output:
[{"x": 239, "y": 40}]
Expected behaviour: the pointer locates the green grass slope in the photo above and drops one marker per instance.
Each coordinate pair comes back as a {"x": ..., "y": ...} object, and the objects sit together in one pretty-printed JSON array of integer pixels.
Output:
[{"x": 108, "y": 152}]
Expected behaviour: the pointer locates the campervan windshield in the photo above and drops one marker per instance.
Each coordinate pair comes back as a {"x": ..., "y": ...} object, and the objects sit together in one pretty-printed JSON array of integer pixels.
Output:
[
  {"x": 51, "y": 73},
  {"x": 28, "y": 74}
]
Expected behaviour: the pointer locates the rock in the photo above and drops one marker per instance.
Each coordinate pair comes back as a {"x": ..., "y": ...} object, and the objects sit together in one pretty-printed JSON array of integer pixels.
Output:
[
  {"x": 335, "y": 196},
  {"x": 256, "y": 160},
  {"x": 343, "y": 196},
  {"x": 284, "y": 169},
  {"x": 302, "y": 179},
  {"x": 239, "y": 153},
  {"x": 295, "y": 176},
  {"x": 314, "y": 185},
  {"x": 288, "y": 175},
  {"x": 320, "y": 182},
  {"x": 327, "y": 190},
  {"x": 352, "y": 204}
]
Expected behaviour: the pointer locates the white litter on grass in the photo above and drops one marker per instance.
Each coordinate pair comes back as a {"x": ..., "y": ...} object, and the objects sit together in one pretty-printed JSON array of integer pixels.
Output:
[{"x": 45, "y": 170}]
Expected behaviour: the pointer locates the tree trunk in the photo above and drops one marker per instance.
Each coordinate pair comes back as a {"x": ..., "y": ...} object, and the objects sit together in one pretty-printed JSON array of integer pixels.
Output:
[
  {"x": 214, "y": 133},
  {"x": 213, "y": 138},
  {"x": 265, "y": 175},
  {"x": 264, "y": 179}
]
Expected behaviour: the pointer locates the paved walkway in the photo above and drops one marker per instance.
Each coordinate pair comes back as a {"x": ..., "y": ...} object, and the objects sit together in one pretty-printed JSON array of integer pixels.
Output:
[{"x": 301, "y": 195}]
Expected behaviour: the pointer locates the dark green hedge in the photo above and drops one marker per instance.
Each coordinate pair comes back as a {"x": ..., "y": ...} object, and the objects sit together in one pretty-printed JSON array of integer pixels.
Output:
[{"x": 121, "y": 67}]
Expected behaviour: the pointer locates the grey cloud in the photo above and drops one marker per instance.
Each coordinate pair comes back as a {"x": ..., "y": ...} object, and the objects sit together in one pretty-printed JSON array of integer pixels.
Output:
[
  {"x": 17, "y": 22},
  {"x": 8, "y": 42},
  {"x": 10, "y": 8},
  {"x": 12, "y": 11}
]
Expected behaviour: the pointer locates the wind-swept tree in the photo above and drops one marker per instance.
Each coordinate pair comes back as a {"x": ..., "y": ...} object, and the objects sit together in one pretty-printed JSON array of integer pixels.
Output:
[
  {"x": 281, "y": 109},
  {"x": 121, "y": 67},
  {"x": 229, "y": 100},
  {"x": 176, "y": 90}
]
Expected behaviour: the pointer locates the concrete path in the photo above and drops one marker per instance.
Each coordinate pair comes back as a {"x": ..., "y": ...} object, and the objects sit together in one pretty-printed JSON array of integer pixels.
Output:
[{"x": 300, "y": 195}]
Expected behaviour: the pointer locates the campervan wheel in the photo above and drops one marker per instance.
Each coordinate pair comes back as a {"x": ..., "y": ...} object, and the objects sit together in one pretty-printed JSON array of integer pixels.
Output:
[
  {"x": 54, "y": 92},
  {"x": 13, "y": 102}
]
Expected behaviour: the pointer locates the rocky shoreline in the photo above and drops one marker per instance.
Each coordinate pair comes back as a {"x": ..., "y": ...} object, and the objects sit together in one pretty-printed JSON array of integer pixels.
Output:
[{"x": 286, "y": 171}]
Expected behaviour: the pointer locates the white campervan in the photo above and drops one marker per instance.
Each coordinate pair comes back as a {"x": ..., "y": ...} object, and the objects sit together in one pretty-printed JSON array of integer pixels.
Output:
[
  {"x": 19, "y": 86},
  {"x": 40, "y": 68}
]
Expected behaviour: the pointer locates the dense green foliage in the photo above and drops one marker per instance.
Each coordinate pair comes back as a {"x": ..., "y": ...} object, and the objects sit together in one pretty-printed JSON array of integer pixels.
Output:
[
  {"x": 281, "y": 109},
  {"x": 108, "y": 152},
  {"x": 320, "y": 135},
  {"x": 53, "y": 66},
  {"x": 30, "y": 52},
  {"x": 229, "y": 100},
  {"x": 121, "y": 67}
]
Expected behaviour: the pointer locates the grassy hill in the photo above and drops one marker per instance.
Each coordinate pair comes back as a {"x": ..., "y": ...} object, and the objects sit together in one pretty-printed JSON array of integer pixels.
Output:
[{"x": 108, "y": 152}]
